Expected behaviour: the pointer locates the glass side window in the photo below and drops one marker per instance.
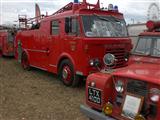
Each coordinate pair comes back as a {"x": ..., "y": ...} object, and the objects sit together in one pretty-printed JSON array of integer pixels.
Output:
[
  {"x": 143, "y": 46},
  {"x": 35, "y": 26},
  {"x": 72, "y": 26},
  {"x": 75, "y": 26},
  {"x": 156, "y": 48},
  {"x": 10, "y": 36},
  {"x": 55, "y": 27}
]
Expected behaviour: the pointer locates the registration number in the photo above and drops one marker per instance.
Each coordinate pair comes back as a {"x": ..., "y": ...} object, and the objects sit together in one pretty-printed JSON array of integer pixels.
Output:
[{"x": 94, "y": 95}]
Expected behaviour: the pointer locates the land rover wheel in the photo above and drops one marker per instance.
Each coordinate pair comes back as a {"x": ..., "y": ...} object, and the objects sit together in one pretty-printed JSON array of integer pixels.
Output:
[
  {"x": 25, "y": 61},
  {"x": 67, "y": 73}
]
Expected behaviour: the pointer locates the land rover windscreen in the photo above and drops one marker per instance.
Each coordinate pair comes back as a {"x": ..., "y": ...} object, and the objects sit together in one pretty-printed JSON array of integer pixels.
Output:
[{"x": 148, "y": 46}]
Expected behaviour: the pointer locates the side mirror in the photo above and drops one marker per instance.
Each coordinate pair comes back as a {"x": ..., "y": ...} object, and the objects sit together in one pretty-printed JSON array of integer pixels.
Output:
[{"x": 67, "y": 25}]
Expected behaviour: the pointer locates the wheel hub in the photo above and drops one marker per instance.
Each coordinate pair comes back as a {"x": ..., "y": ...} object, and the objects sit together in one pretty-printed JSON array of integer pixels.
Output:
[{"x": 66, "y": 73}]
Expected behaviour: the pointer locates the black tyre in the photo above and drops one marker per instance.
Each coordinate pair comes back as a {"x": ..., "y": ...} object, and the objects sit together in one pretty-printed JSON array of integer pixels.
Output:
[
  {"x": 67, "y": 74},
  {"x": 25, "y": 62}
]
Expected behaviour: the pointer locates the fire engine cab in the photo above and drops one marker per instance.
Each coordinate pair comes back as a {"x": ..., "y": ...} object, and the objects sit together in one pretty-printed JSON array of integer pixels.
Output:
[
  {"x": 131, "y": 92},
  {"x": 72, "y": 41},
  {"x": 7, "y": 37}
]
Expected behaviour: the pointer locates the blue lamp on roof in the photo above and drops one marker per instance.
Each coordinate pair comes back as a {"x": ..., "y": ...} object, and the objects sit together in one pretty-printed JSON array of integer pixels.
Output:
[
  {"x": 75, "y": 1},
  {"x": 116, "y": 8}
]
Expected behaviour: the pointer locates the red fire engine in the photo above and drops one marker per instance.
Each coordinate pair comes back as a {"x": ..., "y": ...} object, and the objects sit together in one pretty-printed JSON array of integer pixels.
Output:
[
  {"x": 72, "y": 41},
  {"x": 7, "y": 37},
  {"x": 131, "y": 92}
]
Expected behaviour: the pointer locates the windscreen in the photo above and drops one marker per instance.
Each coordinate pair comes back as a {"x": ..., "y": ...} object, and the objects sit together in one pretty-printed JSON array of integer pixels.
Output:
[
  {"x": 104, "y": 26},
  {"x": 10, "y": 36},
  {"x": 148, "y": 46}
]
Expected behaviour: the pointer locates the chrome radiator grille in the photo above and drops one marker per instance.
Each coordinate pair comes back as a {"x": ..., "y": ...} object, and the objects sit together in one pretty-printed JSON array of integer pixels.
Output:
[
  {"x": 137, "y": 87},
  {"x": 120, "y": 56}
]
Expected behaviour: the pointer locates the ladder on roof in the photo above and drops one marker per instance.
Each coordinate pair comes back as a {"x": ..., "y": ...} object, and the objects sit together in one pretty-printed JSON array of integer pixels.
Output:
[
  {"x": 81, "y": 5},
  {"x": 65, "y": 8},
  {"x": 24, "y": 21}
]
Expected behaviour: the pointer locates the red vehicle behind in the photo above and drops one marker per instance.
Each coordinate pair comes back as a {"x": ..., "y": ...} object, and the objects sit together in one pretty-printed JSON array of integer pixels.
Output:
[
  {"x": 73, "y": 41},
  {"x": 7, "y": 42},
  {"x": 132, "y": 92}
]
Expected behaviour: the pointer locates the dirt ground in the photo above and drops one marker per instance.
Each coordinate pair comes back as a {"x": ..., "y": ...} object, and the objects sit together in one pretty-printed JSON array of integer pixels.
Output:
[{"x": 36, "y": 95}]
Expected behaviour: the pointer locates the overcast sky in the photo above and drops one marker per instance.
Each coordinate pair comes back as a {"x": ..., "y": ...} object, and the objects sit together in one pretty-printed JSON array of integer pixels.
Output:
[{"x": 134, "y": 10}]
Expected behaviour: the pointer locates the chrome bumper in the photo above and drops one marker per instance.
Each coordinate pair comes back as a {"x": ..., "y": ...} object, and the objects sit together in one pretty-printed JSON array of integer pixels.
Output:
[{"x": 94, "y": 114}]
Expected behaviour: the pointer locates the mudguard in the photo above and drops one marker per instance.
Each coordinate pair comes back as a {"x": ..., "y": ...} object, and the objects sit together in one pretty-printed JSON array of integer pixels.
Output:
[{"x": 103, "y": 82}]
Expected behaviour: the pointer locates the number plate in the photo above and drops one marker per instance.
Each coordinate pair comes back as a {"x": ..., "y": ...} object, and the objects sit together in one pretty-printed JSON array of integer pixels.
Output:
[{"x": 94, "y": 95}]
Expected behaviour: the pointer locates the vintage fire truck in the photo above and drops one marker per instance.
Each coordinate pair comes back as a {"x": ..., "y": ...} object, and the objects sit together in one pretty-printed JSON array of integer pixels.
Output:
[
  {"x": 7, "y": 37},
  {"x": 72, "y": 41},
  {"x": 131, "y": 92}
]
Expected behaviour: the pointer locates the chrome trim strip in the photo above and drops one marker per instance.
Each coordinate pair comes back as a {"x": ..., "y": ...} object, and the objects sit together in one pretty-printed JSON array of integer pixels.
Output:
[
  {"x": 79, "y": 73},
  {"x": 52, "y": 65},
  {"x": 34, "y": 50}
]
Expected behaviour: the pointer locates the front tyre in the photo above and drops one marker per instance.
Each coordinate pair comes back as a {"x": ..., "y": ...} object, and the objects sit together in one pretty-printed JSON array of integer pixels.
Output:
[
  {"x": 25, "y": 62},
  {"x": 67, "y": 74}
]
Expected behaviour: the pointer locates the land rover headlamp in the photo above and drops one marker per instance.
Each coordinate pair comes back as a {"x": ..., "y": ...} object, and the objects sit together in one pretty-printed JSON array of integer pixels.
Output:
[
  {"x": 119, "y": 86},
  {"x": 154, "y": 94},
  {"x": 109, "y": 59},
  {"x": 155, "y": 98}
]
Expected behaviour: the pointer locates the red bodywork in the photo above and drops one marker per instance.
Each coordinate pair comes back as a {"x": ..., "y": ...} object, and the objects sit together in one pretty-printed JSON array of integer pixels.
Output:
[
  {"x": 139, "y": 79},
  {"x": 6, "y": 43},
  {"x": 46, "y": 51},
  {"x": 148, "y": 72}
]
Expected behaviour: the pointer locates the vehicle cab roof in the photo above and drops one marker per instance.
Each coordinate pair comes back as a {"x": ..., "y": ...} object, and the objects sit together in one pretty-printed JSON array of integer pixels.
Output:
[{"x": 73, "y": 9}]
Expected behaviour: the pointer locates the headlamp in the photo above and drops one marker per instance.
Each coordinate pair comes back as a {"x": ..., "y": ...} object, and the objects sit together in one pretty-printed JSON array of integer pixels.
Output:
[
  {"x": 94, "y": 62},
  {"x": 154, "y": 94},
  {"x": 155, "y": 98},
  {"x": 91, "y": 62},
  {"x": 119, "y": 86},
  {"x": 109, "y": 59}
]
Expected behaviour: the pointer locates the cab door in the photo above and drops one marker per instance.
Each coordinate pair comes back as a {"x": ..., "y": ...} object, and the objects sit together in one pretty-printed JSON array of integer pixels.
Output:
[
  {"x": 54, "y": 43},
  {"x": 72, "y": 41},
  {"x": 40, "y": 50}
]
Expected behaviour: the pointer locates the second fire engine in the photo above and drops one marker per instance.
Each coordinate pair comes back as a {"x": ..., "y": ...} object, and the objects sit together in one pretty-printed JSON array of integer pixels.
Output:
[{"x": 72, "y": 41}]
